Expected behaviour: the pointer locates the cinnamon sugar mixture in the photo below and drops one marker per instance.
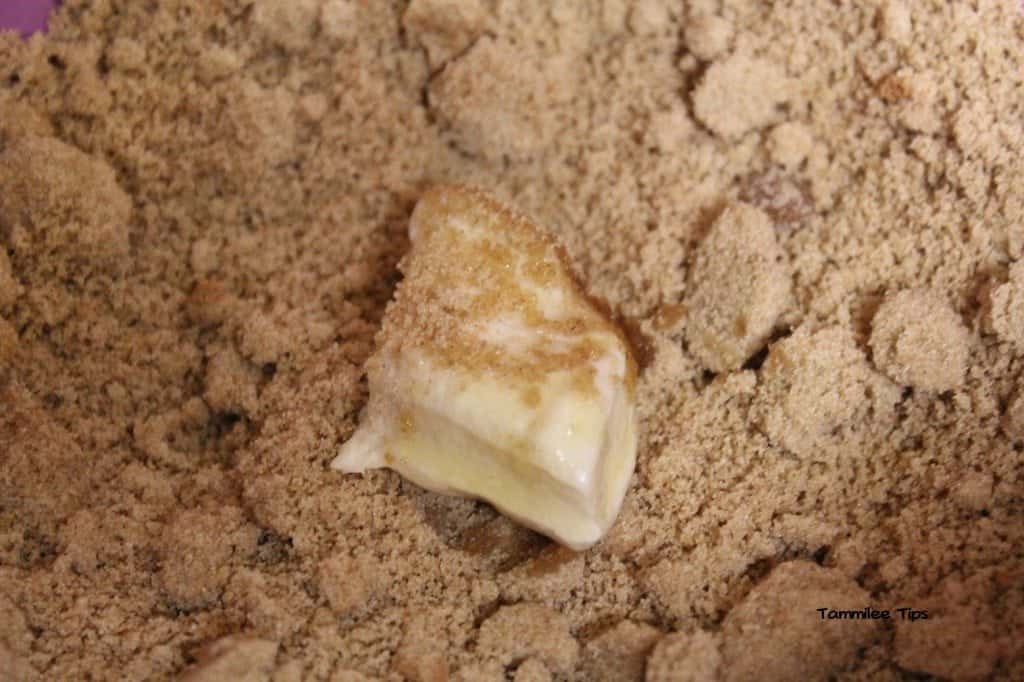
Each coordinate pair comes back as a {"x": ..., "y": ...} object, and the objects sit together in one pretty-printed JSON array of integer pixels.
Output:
[{"x": 810, "y": 214}]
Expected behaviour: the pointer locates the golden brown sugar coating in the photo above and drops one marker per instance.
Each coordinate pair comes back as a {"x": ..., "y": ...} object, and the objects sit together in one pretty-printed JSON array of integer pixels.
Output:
[{"x": 475, "y": 263}]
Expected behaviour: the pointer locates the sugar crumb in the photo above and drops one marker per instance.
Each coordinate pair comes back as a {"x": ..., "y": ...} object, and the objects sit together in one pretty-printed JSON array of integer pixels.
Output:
[
  {"x": 421, "y": 655},
  {"x": 1013, "y": 418},
  {"x": 974, "y": 491},
  {"x": 126, "y": 54},
  {"x": 895, "y": 21},
  {"x": 738, "y": 287},
  {"x": 708, "y": 35},
  {"x": 339, "y": 20},
  {"x": 348, "y": 583},
  {"x": 18, "y": 119},
  {"x": 15, "y": 643},
  {"x": 495, "y": 108},
  {"x": 61, "y": 204},
  {"x": 532, "y": 670},
  {"x": 524, "y": 630},
  {"x": 815, "y": 383},
  {"x": 264, "y": 339},
  {"x": 8, "y": 342},
  {"x": 152, "y": 486},
  {"x": 917, "y": 339},
  {"x": 230, "y": 382},
  {"x": 670, "y": 129},
  {"x": 545, "y": 577},
  {"x": 314, "y": 106},
  {"x": 913, "y": 94},
  {"x": 210, "y": 303},
  {"x": 951, "y": 645},
  {"x": 613, "y": 15},
  {"x": 198, "y": 553},
  {"x": 685, "y": 657},
  {"x": 775, "y": 633},
  {"x": 740, "y": 94},
  {"x": 234, "y": 658},
  {"x": 10, "y": 289},
  {"x": 444, "y": 28},
  {"x": 619, "y": 653},
  {"x": 1006, "y": 309},
  {"x": 218, "y": 63},
  {"x": 647, "y": 17},
  {"x": 272, "y": 606},
  {"x": 790, "y": 144},
  {"x": 289, "y": 25}
]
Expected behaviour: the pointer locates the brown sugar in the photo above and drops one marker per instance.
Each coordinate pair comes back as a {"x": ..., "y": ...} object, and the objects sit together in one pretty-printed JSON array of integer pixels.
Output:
[
  {"x": 801, "y": 409},
  {"x": 685, "y": 657},
  {"x": 194, "y": 569},
  {"x": 529, "y": 630},
  {"x": 729, "y": 318},
  {"x": 708, "y": 35},
  {"x": 739, "y": 94},
  {"x": 495, "y": 109},
  {"x": 773, "y": 635},
  {"x": 918, "y": 340},
  {"x": 234, "y": 658},
  {"x": 444, "y": 28},
  {"x": 956, "y": 642},
  {"x": 203, "y": 207},
  {"x": 1006, "y": 311},
  {"x": 59, "y": 204},
  {"x": 619, "y": 653}
]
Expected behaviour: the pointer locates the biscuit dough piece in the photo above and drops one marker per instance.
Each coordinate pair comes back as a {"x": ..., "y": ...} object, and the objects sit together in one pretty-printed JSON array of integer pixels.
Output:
[{"x": 496, "y": 377}]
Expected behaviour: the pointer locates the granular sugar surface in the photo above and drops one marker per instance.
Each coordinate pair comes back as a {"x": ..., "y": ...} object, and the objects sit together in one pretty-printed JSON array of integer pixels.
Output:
[{"x": 809, "y": 214}]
